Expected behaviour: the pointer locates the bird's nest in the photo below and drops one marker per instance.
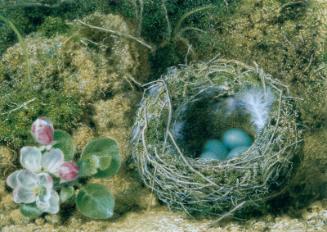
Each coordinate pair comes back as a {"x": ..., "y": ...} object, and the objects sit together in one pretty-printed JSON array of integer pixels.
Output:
[{"x": 181, "y": 110}]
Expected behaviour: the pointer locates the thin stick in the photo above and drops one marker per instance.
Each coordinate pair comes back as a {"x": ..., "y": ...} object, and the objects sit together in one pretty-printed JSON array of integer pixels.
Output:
[
  {"x": 167, "y": 19},
  {"x": 36, "y": 4},
  {"x": 118, "y": 33},
  {"x": 23, "y": 105},
  {"x": 140, "y": 16},
  {"x": 186, "y": 15},
  {"x": 170, "y": 112},
  {"x": 225, "y": 215}
]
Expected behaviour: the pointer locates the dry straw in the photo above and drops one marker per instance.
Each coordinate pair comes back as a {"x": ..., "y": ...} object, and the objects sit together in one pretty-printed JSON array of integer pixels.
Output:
[{"x": 218, "y": 188}]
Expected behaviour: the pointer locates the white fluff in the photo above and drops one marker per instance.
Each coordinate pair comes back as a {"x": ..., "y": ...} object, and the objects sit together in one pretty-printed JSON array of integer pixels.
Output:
[{"x": 257, "y": 103}]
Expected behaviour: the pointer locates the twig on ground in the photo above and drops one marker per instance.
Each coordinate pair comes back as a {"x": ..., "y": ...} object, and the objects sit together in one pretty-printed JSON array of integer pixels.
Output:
[
  {"x": 127, "y": 36},
  {"x": 23, "y": 105}
]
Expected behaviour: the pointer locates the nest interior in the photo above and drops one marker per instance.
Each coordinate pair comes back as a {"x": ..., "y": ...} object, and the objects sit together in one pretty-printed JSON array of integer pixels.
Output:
[
  {"x": 205, "y": 116},
  {"x": 181, "y": 110}
]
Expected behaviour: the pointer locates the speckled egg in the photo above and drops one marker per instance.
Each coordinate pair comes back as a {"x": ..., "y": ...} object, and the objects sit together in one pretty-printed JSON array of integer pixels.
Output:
[
  {"x": 234, "y": 137},
  {"x": 215, "y": 147},
  {"x": 236, "y": 152}
]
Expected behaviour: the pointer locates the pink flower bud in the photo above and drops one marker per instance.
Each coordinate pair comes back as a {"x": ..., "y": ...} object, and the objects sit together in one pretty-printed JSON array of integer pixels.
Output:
[
  {"x": 68, "y": 171},
  {"x": 42, "y": 131}
]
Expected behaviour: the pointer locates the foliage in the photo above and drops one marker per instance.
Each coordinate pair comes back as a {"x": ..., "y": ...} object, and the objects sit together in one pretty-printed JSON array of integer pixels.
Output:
[
  {"x": 48, "y": 170},
  {"x": 95, "y": 201},
  {"x": 106, "y": 154},
  {"x": 64, "y": 142},
  {"x": 30, "y": 210}
]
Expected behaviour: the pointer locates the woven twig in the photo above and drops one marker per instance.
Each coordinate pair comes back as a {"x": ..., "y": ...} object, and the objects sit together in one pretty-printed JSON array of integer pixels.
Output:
[{"x": 216, "y": 188}]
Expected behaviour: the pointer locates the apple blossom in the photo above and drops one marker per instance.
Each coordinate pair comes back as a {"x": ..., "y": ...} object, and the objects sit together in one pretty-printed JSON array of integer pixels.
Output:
[
  {"x": 30, "y": 187},
  {"x": 68, "y": 171},
  {"x": 42, "y": 131}
]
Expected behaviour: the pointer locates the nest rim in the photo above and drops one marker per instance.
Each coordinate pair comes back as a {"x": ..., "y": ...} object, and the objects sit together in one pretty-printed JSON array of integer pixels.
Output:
[{"x": 167, "y": 172}]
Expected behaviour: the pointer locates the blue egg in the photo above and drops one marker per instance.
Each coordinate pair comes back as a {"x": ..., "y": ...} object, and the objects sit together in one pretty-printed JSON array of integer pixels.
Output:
[
  {"x": 236, "y": 152},
  {"x": 215, "y": 147},
  {"x": 233, "y": 138}
]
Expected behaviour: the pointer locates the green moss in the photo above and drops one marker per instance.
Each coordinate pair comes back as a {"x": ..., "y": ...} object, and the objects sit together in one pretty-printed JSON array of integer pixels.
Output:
[
  {"x": 280, "y": 36},
  {"x": 324, "y": 58},
  {"x": 166, "y": 56},
  {"x": 67, "y": 77},
  {"x": 15, "y": 125},
  {"x": 292, "y": 10},
  {"x": 23, "y": 100},
  {"x": 29, "y": 17},
  {"x": 311, "y": 182},
  {"x": 126, "y": 8},
  {"x": 52, "y": 26},
  {"x": 7, "y": 35}
]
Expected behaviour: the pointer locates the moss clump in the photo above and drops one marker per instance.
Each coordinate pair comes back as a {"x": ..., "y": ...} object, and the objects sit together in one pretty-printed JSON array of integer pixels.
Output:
[
  {"x": 91, "y": 80},
  {"x": 25, "y": 99},
  {"x": 48, "y": 16},
  {"x": 120, "y": 52},
  {"x": 67, "y": 77}
]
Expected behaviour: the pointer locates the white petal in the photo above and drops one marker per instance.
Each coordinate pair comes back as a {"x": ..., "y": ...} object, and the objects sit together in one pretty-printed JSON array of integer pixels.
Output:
[
  {"x": 27, "y": 179},
  {"x": 42, "y": 202},
  {"x": 52, "y": 160},
  {"x": 30, "y": 158},
  {"x": 45, "y": 180},
  {"x": 12, "y": 179},
  {"x": 24, "y": 195},
  {"x": 50, "y": 206}
]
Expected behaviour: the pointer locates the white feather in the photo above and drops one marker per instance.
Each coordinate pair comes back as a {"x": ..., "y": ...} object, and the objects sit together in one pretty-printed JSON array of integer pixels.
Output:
[
  {"x": 178, "y": 129},
  {"x": 257, "y": 103}
]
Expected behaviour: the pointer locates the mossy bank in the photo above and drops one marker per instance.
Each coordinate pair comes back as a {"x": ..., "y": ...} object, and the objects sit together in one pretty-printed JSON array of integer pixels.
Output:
[{"x": 286, "y": 38}]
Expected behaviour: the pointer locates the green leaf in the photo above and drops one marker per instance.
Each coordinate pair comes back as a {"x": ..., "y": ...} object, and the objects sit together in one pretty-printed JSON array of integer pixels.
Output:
[
  {"x": 103, "y": 148},
  {"x": 87, "y": 167},
  {"x": 104, "y": 162},
  {"x": 95, "y": 201},
  {"x": 30, "y": 210},
  {"x": 64, "y": 142},
  {"x": 66, "y": 193}
]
